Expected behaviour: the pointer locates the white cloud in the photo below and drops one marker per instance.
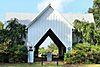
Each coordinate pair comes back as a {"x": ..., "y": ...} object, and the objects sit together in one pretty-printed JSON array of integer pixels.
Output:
[{"x": 57, "y": 4}]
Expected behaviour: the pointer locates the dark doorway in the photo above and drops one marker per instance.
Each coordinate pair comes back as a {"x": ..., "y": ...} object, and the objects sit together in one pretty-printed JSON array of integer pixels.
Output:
[{"x": 56, "y": 40}]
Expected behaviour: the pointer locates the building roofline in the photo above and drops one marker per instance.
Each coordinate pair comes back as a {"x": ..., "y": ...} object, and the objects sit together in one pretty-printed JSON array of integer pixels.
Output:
[{"x": 41, "y": 13}]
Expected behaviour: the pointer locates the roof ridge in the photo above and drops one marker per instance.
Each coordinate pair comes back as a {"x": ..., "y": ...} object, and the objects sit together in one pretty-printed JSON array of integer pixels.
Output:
[{"x": 39, "y": 15}]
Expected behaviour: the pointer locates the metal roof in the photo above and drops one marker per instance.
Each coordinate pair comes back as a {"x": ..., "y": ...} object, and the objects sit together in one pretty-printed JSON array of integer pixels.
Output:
[{"x": 28, "y": 18}]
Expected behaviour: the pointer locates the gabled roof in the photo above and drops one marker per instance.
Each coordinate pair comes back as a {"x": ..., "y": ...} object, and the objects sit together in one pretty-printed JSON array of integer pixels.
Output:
[
  {"x": 23, "y": 18},
  {"x": 26, "y": 18},
  {"x": 88, "y": 17},
  {"x": 29, "y": 18},
  {"x": 40, "y": 14}
]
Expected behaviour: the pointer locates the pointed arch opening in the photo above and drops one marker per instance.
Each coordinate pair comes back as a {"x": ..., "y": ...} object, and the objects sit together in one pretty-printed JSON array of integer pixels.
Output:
[{"x": 55, "y": 39}]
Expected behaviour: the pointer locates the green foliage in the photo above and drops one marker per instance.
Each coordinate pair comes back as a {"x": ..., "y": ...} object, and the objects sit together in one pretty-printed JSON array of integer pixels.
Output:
[
  {"x": 42, "y": 50},
  {"x": 84, "y": 54},
  {"x": 1, "y": 25},
  {"x": 16, "y": 32},
  {"x": 18, "y": 54},
  {"x": 96, "y": 12},
  {"x": 12, "y": 38},
  {"x": 3, "y": 36},
  {"x": 51, "y": 48},
  {"x": 84, "y": 30},
  {"x": 2, "y": 32},
  {"x": 97, "y": 37}
]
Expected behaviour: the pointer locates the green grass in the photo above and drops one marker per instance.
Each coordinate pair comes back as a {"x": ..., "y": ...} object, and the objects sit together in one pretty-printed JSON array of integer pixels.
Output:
[
  {"x": 46, "y": 65},
  {"x": 49, "y": 64},
  {"x": 83, "y": 65}
]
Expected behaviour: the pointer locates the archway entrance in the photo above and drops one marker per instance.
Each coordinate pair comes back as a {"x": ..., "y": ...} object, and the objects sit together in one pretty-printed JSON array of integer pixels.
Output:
[{"x": 55, "y": 39}]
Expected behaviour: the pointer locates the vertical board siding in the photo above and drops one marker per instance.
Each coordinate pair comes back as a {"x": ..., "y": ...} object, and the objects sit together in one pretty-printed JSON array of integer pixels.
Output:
[{"x": 50, "y": 19}]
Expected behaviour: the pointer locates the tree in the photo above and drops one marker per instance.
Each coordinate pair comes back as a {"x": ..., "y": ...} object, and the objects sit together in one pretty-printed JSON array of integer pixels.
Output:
[
  {"x": 78, "y": 25},
  {"x": 12, "y": 42},
  {"x": 96, "y": 12},
  {"x": 85, "y": 31},
  {"x": 4, "y": 36},
  {"x": 1, "y": 25},
  {"x": 53, "y": 48},
  {"x": 42, "y": 50},
  {"x": 17, "y": 32},
  {"x": 16, "y": 35},
  {"x": 97, "y": 37},
  {"x": 1, "y": 32}
]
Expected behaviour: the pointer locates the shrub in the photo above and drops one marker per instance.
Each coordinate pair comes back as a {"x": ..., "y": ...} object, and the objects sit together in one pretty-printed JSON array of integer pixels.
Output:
[
  {"x": 18, "y": 53},
  {"x": 12, "y": 40},
  {"x": 83, "y": 53}
]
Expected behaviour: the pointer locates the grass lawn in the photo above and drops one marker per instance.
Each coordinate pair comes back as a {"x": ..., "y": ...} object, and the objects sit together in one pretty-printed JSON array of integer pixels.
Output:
[
  {"x": 83, "y": 65},
  {"x": 46, "y": 65},
  {"x": 49, "y": 64}
]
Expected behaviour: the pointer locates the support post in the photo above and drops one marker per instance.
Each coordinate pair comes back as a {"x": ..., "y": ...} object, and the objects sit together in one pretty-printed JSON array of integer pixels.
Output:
[
  {"x": 30, "y": 55},
  {"x": 42, "y": 60},
  {"x": 57, "y": 61}
]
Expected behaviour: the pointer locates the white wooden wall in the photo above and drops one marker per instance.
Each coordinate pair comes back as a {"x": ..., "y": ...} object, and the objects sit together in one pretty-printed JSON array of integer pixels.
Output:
[{"x": 54, "y": 21}]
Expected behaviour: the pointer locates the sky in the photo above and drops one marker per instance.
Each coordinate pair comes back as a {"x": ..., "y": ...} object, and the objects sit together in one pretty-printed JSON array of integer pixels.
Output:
[
  {"x": 35, "y": 6},
  {"x": 47, "y": 42}
]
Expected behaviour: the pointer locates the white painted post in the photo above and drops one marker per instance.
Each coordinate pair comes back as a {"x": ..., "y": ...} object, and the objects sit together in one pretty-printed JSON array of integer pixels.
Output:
[
  {"x": 66, "y": 49},
  {"x": 30, "y": 55}
]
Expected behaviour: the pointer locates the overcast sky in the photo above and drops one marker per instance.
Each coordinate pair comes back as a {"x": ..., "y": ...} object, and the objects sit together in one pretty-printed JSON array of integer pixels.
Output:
[{"x": 35, "y": 6}]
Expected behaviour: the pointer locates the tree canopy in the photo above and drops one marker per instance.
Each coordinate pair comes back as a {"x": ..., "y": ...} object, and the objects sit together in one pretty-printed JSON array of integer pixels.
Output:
[
  {"x": 12, "y": 40},
  {"x": 85, "y": 30},
  {"x": 51, "y": 48},
  {"x": 16, "y": 32},
  {"x": 1, "y": 25},
  {"x": 96, "y": 12}
]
